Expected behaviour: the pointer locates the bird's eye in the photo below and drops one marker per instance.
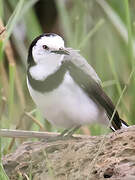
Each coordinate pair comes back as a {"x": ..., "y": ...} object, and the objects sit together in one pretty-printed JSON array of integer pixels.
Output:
[{"x": 45, "y": 47}]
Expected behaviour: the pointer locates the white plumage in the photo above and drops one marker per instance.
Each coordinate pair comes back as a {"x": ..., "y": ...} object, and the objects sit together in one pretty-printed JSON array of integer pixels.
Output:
[{"x": 68, "y": 105}]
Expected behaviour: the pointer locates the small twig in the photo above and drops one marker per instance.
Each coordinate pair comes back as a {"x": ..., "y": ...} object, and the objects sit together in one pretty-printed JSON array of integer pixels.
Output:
[
  {"x": 35, "y": 121},
  {"x": 26, "y": 176},
  {"x": 2, "y": 30},
  {"x": 17, "y": 127},
  {"x": 28, "y": 114},
  {"x": 26, "y": 134}
]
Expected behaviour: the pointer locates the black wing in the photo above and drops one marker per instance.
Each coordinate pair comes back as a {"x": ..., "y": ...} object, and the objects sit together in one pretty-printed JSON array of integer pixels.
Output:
[{"x": 94, "y": 91}]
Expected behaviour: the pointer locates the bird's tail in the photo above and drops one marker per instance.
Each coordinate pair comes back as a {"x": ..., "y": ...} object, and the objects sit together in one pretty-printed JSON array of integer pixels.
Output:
[{"x": 123, "y": 125}]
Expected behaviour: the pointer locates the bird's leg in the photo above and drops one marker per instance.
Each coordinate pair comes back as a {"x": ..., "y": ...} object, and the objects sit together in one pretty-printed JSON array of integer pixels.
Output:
[
  {"x": 64, "y": 132},
  {"x": 58, "y": 137},
  {"x": 65, "y": 135},
  {"x": 71, "y": 132}
]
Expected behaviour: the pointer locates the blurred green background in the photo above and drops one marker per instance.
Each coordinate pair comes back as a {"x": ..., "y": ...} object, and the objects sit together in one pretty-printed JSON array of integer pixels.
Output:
[{"x": 102, "y": 30}]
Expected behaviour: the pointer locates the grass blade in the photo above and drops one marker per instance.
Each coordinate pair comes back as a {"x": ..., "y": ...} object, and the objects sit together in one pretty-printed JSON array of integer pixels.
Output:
[
  {"x": 11, "y": 90},
  {"x": 13, "y": 20},
  {"x": 91, "y": 33}
]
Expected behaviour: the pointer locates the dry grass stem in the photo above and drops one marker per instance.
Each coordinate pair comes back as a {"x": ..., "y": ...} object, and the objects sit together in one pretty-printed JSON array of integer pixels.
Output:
[
  {"x": 26, "y": 134},
  {"x": 35, "y": 121}
]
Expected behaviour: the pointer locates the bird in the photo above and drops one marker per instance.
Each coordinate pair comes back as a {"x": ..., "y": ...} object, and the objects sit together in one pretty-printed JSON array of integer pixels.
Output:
[{"x": 66, "y": 88}]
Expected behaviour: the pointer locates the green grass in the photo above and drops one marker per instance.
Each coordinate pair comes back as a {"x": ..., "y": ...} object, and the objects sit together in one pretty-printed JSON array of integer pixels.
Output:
[
  {"x": 104, "y": 34},
  {"x": 13, "y": 20},
  {"x": 3, "y": 175}
]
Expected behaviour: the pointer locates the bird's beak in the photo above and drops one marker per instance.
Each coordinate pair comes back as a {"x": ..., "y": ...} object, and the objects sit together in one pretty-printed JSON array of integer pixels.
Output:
[{"x": 61, "y": 51}]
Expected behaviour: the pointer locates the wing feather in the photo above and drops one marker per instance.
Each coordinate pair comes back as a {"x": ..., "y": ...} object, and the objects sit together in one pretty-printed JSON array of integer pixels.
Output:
[{"x": 85, "y": 76}]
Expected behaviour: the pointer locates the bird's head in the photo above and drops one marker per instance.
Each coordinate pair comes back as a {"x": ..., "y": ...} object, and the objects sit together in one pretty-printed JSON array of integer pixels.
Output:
[{"x": 46, "y": 47}]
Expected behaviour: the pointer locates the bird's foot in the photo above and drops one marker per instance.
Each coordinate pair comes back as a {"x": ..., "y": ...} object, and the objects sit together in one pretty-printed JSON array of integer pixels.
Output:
[{"x": 65, "y": 135}]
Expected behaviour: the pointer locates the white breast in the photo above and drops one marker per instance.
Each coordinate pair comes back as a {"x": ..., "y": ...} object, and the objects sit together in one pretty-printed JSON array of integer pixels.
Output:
[{"x": 68, "y": 106}]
